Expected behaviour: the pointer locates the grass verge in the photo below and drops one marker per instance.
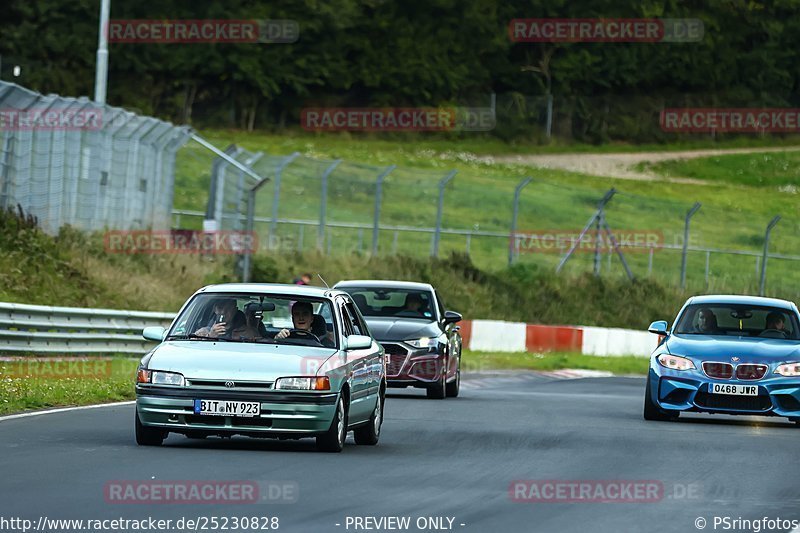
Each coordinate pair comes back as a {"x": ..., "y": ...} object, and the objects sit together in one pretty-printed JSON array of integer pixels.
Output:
[
  {"x": 484, "y": 361},
  {"x": 37, "y": 383}
]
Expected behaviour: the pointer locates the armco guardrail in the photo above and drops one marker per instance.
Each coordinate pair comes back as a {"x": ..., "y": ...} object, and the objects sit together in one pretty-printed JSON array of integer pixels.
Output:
[{"x": 75, "y": 330}]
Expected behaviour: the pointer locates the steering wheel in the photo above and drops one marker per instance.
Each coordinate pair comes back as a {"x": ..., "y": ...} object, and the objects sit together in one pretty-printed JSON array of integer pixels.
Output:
[
  {"x": 772, "y": 331},
  {"x": 302, "y": 333}
]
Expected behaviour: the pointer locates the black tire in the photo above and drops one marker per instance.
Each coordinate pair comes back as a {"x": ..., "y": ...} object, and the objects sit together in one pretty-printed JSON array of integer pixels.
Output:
[
  {"x": 437, "y": 390},
  {"x": 653, "y": 411},
  {"x": 369, "y": 434},
  {"x": 452, "y": 388},
  {"x": 146, "y": 436},
  {"x": 333, "y": 440}
]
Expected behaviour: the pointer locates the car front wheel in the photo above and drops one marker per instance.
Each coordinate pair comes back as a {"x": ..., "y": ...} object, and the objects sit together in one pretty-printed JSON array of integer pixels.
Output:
[
  {"x": 146, "y": 436},
  {"x": 438, "y": 389},
  {"x": 333, "y": 439},
  {"x": 454, "y": 386}
]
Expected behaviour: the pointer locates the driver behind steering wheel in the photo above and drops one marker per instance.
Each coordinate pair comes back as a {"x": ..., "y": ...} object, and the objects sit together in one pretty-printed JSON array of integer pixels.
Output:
[
  {"x": 303, "y": 319},
  {"x": 775, "y": 324}
]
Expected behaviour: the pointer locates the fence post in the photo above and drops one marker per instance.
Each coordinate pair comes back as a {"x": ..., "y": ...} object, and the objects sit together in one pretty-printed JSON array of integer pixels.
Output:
[
  {"x": 437, "y": 233},
  {"x": 378, "y": 198},
  {"x": 688, "y": 219},
  {"x": 763, "y": 283},
  {"x": 323, "y": 208},
  {"x": 251, "y": 208},
  {"x": 517, "y": 192},
  {"x": 276, "y": 196}
]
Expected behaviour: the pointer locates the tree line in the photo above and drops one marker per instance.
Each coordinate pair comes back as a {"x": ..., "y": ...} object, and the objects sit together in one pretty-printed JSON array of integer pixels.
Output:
[{"x": 360, "y": 53}]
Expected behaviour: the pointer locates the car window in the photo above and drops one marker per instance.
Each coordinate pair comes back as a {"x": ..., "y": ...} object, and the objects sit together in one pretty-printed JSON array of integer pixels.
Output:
[
  {"x": 388, "y": 302},
  {"x": 253, "y": 318},
  {"x": 353, "y": 322},
  {"x": 738, "y": 320},
  {"x": 358, "y": 322}
]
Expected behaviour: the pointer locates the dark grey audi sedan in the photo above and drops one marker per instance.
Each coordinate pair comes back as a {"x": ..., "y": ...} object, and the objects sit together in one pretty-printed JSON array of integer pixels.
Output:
[{"x": 421, "y": 338}]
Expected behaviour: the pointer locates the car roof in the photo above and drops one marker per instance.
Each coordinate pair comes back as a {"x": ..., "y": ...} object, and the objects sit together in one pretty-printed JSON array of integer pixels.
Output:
[
  {"x": 383, "y": 283},
  {"x": 273, "y": 288},
  {"x": 740, "y": 299}
]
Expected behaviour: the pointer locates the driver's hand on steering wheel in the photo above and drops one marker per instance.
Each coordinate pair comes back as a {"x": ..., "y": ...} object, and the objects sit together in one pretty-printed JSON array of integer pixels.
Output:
[{"x": 282, "y": 334}]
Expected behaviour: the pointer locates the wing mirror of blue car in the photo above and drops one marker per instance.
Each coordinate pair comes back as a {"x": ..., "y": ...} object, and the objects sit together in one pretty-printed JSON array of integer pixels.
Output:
[
  {"x": 451, "y": 317},
  {"x": 659, "y": 327},
  {"x": 357, "y": 342},
  {"x": 154, "y": 333}
]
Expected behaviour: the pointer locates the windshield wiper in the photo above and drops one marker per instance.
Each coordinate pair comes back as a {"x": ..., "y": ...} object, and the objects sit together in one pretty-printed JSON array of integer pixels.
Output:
[{"x": 197, "y": 337}]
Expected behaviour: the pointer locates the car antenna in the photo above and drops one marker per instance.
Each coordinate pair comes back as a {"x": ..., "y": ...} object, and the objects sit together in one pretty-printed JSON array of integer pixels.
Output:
[{"x": 323, "y": 281}]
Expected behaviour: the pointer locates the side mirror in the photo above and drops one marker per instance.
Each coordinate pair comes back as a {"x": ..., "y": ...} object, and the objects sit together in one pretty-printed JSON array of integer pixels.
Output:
[
  {"x": 357, "y": 342},
  {"x": 451, "y": 317},
  {"x": 659, "y": 327},
  {"x": 154, "y": 333}
]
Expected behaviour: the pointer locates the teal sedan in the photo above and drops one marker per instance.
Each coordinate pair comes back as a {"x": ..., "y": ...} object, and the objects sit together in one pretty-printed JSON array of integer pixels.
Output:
[{"x": 263, "y": 360}]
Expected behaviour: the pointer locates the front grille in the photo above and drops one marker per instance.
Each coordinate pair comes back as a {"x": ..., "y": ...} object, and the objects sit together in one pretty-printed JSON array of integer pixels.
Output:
[
  {"x": 221, "y": 384},
  {"x": 727, "y": 401},
  {"x": 394, "y": 348},
  {"x": 395, "y": 364},
  {"x": 749, "y": 372},
  {"x": 397, "y": 358},
  {"x": 718, "y": 370}
]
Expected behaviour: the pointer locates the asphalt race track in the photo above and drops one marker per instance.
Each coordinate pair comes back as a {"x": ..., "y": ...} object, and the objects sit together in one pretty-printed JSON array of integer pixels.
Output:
[{"x": 453, "y": 459}]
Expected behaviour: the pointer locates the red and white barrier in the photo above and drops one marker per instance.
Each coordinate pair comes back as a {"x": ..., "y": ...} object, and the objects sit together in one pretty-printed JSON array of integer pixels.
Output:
[{"x": 500, "y": 336}]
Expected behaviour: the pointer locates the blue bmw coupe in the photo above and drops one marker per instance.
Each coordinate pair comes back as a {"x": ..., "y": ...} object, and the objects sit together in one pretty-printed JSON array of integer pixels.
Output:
[{"x": 736, "y": 355}]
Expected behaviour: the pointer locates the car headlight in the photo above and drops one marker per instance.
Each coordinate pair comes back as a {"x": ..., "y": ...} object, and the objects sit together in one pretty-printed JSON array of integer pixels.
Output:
[
  {"x": 157, "y": 377},
  {"x": 303, "y": 383},
  {"x": 675, "y": 362},
  {"x": 424, "y": 342},
  {"x": 788, "y": 369}
]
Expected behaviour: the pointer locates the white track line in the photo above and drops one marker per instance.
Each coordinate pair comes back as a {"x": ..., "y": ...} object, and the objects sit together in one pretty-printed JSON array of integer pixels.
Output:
[{"x": 63, "y": 410}]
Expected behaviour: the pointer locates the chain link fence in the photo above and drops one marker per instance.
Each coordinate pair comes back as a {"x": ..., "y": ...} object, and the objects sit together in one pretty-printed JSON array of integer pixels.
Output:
[
  {"x": 341, "y": 207},
  {"x": 71, "y": 161}
]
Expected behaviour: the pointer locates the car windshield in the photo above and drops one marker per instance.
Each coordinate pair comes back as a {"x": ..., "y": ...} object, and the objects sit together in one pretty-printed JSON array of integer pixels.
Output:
[
  {"x": 257, "y": 318},
  {"x": 738, "y": 320},
  {"x": 387, "y": 302}
]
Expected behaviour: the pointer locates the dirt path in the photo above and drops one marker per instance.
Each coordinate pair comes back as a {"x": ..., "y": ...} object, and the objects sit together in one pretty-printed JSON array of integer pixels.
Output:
[{"x": 620, "y": 165}]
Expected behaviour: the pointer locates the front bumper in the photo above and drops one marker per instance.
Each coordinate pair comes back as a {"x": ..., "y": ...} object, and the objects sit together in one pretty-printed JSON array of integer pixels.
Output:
[
  {"x": 688, "y": 391},
  {"x": 412, "y": 367},
  {"x": 283, "y": 414}
]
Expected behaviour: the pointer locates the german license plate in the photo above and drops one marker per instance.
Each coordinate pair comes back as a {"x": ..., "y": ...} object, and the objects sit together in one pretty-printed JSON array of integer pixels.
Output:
[
  {"x": 735, "y": 390},
  {"x": 226, "y": 408}
]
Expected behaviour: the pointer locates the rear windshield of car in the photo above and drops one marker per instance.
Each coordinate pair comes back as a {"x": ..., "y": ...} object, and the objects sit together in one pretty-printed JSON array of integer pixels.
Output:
[
  {"x": 257, "y": 318},
  {"x": 738, "y": 320},
  {"x": 400, "y": 303}
]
